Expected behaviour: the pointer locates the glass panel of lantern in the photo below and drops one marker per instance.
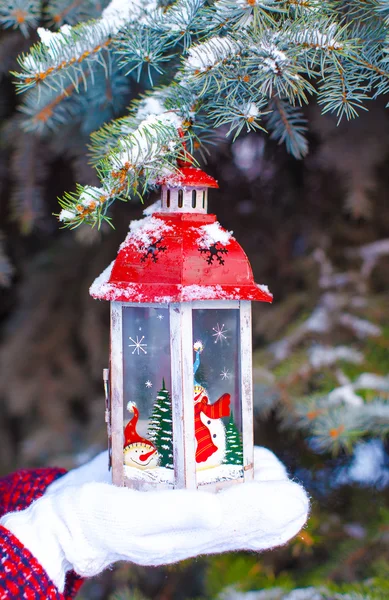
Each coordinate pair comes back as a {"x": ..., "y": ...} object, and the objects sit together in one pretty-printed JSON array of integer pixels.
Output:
[
  {"x": 147, "y": 418},
  {"x": 217, "y": 395}
]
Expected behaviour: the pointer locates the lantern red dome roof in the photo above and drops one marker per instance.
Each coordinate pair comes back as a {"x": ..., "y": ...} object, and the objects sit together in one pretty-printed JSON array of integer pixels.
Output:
[
  {"x": 179, "y": 257},
  {"x": 188, "y": 177}
]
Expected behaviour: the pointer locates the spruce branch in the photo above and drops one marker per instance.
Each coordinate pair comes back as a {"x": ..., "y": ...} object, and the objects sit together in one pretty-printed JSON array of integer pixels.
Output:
[
  {"x": 73, "y": 12},
  {"x": 261, "y": 14},
  {"x": 342, "y": 90},
  {"x": 140, "y": 157},
  {"x": 49, "y": 108},
  {"x": 63, "y": 55},
  {"x": 139, "y": 47},
  {"x": 226, "y": 62},
  {"x": 241, "y": 116},
  {"x": 20, "y": 14},
  {"x": 287, "y": 124}
]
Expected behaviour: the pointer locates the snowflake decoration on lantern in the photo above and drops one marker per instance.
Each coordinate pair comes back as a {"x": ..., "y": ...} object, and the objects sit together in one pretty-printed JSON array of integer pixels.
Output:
[
  {"x": 153, "y": 251},
  {"x": 138, "y": 345},
  {"x": 148, "y": 384},
  {"x": 160, "y": 317},
  {"x": 220, "y": 334},
  {"x": 225, "y": 374},
  {"x": 213, "y": 251}
]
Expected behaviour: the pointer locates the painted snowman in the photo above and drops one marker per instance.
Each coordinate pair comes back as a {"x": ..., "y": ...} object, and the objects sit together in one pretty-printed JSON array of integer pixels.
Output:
[
  {"x": 138, "y": 451},
  {"x": 210, "y": 431}
]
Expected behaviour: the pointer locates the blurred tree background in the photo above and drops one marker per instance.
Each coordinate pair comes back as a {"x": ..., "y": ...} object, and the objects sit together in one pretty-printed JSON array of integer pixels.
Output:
[{"x": 316, "y": 230}]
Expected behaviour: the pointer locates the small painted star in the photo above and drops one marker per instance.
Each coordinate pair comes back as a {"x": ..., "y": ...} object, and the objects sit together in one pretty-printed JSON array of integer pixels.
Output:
[
  {"x": 137, "y": 345},
  {"x": 160, "y": 317},
  {"x": 225, "y": 374},
  {"x": 148, "y": 384},
  {"x": 220, "y": 333}
]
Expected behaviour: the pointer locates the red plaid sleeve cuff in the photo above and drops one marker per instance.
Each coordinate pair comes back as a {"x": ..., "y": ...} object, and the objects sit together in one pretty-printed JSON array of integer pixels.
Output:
[{"x": 21, "y": 576}]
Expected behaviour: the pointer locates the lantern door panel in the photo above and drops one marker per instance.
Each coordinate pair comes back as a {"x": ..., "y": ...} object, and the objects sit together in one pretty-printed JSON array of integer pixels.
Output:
[
  {"x": 217, "y": 395},
  {"x": 147, "y": 408}
]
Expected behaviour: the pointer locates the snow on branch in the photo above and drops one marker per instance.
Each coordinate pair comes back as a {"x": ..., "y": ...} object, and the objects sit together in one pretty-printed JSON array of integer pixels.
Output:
[
  {"x": 140, "y": 157},
  {"x": 234, "y": 62},
  {"x": 209, "y": 54},
  {"x": 180, "y": 18},
  {"x": 73, "y": 46},
  {"x": 142, "y": 147},
  {"x": 244, "y": 13},
  {"x": 325, "y": 38},
  {"x": 161, "y": 102}
]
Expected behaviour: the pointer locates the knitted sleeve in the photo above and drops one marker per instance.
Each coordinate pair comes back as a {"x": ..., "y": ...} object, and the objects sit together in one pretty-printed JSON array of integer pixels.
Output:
[{"x": 21, "y": 576}]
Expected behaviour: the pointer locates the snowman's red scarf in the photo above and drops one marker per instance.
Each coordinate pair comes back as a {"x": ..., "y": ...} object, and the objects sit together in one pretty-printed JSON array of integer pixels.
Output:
[{"x": 220, "y": 408}]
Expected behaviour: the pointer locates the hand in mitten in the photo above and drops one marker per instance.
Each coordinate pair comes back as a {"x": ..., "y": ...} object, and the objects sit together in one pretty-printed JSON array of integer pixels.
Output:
[{"x": 83, "y": 523}]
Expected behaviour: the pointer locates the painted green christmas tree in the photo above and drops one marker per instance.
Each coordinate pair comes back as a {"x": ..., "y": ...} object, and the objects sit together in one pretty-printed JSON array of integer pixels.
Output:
[
  {"x": 161, "y": 427},
  {"x": 234, "y": 446}
]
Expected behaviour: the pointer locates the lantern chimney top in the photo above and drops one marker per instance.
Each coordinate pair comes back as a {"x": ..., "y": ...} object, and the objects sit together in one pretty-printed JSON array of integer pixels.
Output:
[{"x": 186, "y": 190}]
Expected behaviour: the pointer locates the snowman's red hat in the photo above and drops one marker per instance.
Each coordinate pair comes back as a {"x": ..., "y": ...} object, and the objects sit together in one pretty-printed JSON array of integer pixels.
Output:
[{"x": 131, "y": 435}]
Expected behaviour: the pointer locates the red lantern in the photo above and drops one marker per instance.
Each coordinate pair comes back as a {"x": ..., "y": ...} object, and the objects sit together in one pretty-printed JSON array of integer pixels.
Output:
[{"x": 179, "y": 397}]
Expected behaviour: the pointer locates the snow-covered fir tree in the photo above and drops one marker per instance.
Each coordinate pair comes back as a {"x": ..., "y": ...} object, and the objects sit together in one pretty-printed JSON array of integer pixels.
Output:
[
  {"x": 161, "y": 427},
  {"x": 234, "y": 446}
]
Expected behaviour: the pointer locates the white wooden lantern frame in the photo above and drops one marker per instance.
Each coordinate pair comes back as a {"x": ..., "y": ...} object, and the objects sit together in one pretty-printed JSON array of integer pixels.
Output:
[{"x": 181, "y": 348}]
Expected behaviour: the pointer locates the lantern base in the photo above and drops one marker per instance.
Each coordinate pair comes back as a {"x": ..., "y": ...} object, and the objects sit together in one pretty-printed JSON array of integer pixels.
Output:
[{"x": 163, "y": 477}]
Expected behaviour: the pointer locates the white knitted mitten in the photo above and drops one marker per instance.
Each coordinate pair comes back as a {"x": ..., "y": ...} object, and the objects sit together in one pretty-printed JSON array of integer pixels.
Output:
[{"x": 83, "y": 523}]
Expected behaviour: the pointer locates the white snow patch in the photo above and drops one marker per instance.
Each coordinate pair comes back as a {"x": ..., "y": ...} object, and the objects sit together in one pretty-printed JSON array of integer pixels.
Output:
[
  {"x": 374, "y": 250},
  {"x": 370, "y": 466},
  {"x": 264, "y": 288},
  {"x": 220, "y": 473},
  {"x": 119, "y": 12},
  {"x": 157, "y": 475},
  {"x": 309, "y": 593},
  {"x": 206, "y": 55},
  {"x": 145, "y": 232},
  {"x": 202, "y": 292},
  {"x": 66, "y": 215},
  {"x": 100, "y": 285},
  {"x": 213, "y": 234},
  {"x": 345, "y": 394},
  {"x": 320, "y": 356},
  {"x": 50, "y": 39},
  {"x": 248, "y": 153},
  {"x": 153, "y": 208},
  {"x": 114, "y": 16},
  {"x": 319, "y": 321},
  {"x": 91, "y": 195},
  {"x": 152, "y": 105},
  {"x": 142, "y": 144},
  {"x": 361, "y": 327},
  {"x": 355, "y": 530},
  {"x": 317, "y": 38},
  {"x": 372, "y": 381},
  {"x": 274, "y": 60},
  {"x": 250, "y": 110},
  {"x": 164, "y": 475}
]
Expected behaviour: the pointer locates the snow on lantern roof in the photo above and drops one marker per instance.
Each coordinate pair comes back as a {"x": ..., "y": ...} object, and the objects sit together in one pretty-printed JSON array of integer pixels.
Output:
[
  {"x": 188, "y": 177},
  {"x": 179, "y": 257}
]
